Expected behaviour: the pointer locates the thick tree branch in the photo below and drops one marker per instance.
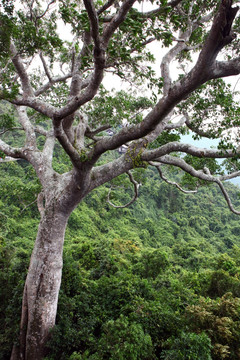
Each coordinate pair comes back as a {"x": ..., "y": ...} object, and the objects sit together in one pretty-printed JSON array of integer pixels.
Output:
[
  {"x": 159, "y": 129},
  {"x": 66, "y": 144},
  {"x": 167, "y": 59},
  {"x": 175, "y": 146},
  {"x": 21, "y": 71},
  {"x": 220, "y": 34},
  {"x": 76, "y": 85},
  {"x": 173, "y": 52},
  {"x": 79, "y": 131},
  {"x": 117, "y": 20},
  {"x": 10, "y": 151},
  {"x": 171, "y": 126},
  {"x": 105, "y": 173},
  {"x": 38, "y": 129},
  {"x": 230, "y": 176},
  {"x": 41, "y": 106},
  {"x": 225, "y": 68},
  {"x": 93, "y": 18},
  {"x": 27, "y": 126}
]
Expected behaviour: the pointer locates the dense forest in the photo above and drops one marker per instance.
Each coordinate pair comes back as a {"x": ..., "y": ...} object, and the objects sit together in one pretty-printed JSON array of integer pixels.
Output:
[{"x": 156, "y": 280}]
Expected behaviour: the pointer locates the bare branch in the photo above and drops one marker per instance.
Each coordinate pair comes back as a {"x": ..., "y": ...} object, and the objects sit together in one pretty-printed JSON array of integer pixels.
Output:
[
  {"x": 10, "y": 151},
  {"x": 45, "y": 67},
  {"x": 225, "y": 194},
  {"x": 91, "y": 133},
  {"x": 220, "y": 34},
  {"x": 173, "y": 52},
  {"x": 17, "y": 62},
  {"x": 10, "y": 129},
  {"x": 53, "y": 81},
  {"x": 160, "y": 9},
  {"x": 93, "y": 18},
  {"x": 136, "y": 190},
  {"x": 158, "y": 167},
  {"x": 41, "y": 106},
  {"x": 107, "y": 5},
  {"x": 66, "y": 144},
  {"x": 40, "y": 130},
  {"x": 117, "y": 20},
  {"x": 171, "y": 126},
  {"x": 46, "y": 10},
  {"x": 27, "y": 126},
  {"x": 230, "y": 176},
  {"x": 225, "y": 68},
  {"x": 207, "y": 134},
  {"x": 105, "y": 173},
  {"x": 28, "y": 205},
  {"x": 76, "y": 85},
  {"x": 200, "y": 174},
  {"x": 175, "y": 146},
  {"x": 6, "y": 66},
  {"x": 79, "y": 131}
]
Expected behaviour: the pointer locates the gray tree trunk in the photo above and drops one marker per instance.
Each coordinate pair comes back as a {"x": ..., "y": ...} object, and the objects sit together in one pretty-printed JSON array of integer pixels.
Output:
[{"x": 42, "y": 286}]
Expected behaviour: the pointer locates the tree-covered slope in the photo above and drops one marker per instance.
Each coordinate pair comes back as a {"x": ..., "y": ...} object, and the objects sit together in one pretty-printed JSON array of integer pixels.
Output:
[{"x": 157, "y": 280}]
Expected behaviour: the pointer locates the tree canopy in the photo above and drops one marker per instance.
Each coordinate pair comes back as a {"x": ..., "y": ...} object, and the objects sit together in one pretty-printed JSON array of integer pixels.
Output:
[{"x": 56, "y": 86}]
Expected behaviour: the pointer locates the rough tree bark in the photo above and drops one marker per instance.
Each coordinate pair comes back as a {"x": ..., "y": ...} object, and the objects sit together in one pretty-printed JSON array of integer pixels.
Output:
[
  {"x": 42, "y": 285},
  {"x": 40, "y": 298}
]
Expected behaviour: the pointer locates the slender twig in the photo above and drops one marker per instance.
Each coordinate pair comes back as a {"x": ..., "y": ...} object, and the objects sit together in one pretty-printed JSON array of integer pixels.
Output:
[
  {"x": 53, "y": 81},
  {"x": 107, "y": 5},
  {"x": 90, "y": 133},
  {"x": 10, "y": 129},
  {"x": 136, "y": 191},
  {"x": 45, "y": 67},
  {"x": 25, "y": 207},
  {"x": 46, "y": 10}
]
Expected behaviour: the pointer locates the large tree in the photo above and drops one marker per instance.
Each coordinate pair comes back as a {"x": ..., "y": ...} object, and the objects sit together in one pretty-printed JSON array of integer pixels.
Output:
[{"x": 52, "y": 91}]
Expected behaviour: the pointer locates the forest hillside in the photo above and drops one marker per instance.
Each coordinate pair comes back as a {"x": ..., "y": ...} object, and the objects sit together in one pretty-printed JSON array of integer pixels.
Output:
[{"x": 156, "y": 280}]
